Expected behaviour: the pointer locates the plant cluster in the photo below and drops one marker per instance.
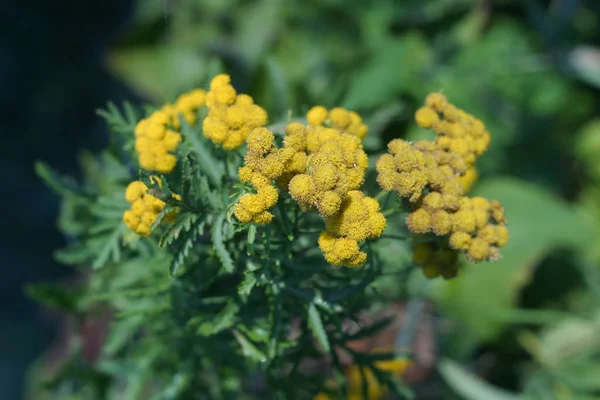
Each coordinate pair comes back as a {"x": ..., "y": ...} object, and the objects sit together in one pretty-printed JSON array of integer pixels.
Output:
[{"x": 253, "y": 222}]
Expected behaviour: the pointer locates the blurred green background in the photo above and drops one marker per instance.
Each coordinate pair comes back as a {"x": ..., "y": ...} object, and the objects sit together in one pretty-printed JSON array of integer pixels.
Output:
[{"x": 528, "y": 324}]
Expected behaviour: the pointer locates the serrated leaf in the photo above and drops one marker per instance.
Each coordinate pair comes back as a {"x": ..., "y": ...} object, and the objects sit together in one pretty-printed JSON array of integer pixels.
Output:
[
  {"x": 251, "y": 239},
  {"x": 130, "y": 113},
  {"x": 184, "y": 245},
  {"x": 60, "y": 298},
  {"x": 248, "y": 348},
  {"x": 111, "y": 249},
  {"x": 182, "y": 225},
  {"x": 59, "y": 184},
  {"x": 182, "y": 236},
  {"x": 195, "y": 187},
  {"x": 316, "y": 326},
  {"x": 219, "y": 245},
  {"x": 75, "y": 254},
  {"x": 223, "y": 320},
  {"x": 178, "y": 383},
  {"x": 167, "y": 209},
  {"x": 103, "y": 226},
  {"x": 470, "y": 387},
  {"x": 120, "y": 333},
  {"x": 245, "y": 287},
  {"x": 118, "y": 122}
]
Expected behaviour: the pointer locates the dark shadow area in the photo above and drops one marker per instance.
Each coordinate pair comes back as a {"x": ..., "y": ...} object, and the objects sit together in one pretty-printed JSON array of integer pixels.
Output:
[{"x": 51, "y": 81}]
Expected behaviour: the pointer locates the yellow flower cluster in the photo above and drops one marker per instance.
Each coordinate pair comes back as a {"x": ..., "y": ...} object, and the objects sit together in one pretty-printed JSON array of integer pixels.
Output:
[
  {"x": 434, "y": 177},
  {"x": 404, "y": 170},
  {"x": 322, "y": 168},
  {"x": 231, "y": 117},
  {"x": 457, "y": 131},
  {"x": 337, "y": 165},
  {"x": 294, "y": 143},
  {"x": 479, "y": 229},
  {"x": 144, "y": 208},
  {"x": 337, "y": 118},
  {"x": 157, "y": 136},
  {"x": 264, "y": 163},
  {"x": 358, "y": 219},
  {"x": 327, "y": 168}
]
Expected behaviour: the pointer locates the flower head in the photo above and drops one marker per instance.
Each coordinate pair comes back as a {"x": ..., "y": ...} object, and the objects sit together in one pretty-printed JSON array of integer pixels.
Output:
[
  {"x": 434, "y": 176},
  {"x": 144, "y": 208},
  {"x": 231, "y": 117},
  {"x": 337, "y": 118}
]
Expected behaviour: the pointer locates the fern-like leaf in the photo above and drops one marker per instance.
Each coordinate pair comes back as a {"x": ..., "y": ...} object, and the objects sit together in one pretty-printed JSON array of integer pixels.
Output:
[
  {"x": 118, "y": 122},
  {"x": 60, "y": 185},
  {"x": 219, "y": 244},
  {"x": 111, "y": 247},
  {"x": 185, "y": 237}
]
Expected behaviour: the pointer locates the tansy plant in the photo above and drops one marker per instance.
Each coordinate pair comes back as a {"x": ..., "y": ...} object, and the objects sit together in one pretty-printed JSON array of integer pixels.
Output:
[{"x": 229, "y": 252}]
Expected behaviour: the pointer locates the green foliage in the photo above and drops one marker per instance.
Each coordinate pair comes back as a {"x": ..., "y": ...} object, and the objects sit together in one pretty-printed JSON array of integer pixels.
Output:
[
  {"x": 209, "y": 308},
  {"x": 539, "y": 223},
  {"x": 219, "y": 245},
  {"x": 218, "y": 292},
  {"x": 468, "y": 386}
]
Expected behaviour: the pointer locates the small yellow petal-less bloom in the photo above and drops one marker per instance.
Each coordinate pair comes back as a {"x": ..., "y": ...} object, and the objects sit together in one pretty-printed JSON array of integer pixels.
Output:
[
  {"x": 260, "y": 141},
  {"x": 502, "y": 235},
  {"x": 436, "y": 101},
  {"x": 479, "y": 250},
  {"x": 460, "y": 241},
  {"x": 134, "y": 191},
  {"x": 464, "y": 221},
  {"x": 426, "y": 117},
  {"x": 339, "y": 117},
  {"x": 171, "y": 140},
  {"x": 434, "y": 201},
  {"x": 434, "y": 176},
  {"x": 231, "y": 116},
  {"x": 302, "y": 188},
  {"x": 144, "y": 207},
  {"x": 316, "y": 115},
  {"x": 165, "y": 163},
  {"x": 131, "y": 219},
  {"x": 488, "y": 234},
  {"x": 441, "y": 223},
  {"x": 419, "y": 221},
  {"x": 328, "y": 203}
]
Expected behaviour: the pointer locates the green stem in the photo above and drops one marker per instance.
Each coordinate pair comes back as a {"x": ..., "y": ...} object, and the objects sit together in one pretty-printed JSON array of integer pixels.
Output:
[
  {"x": 391, "y": 211},
  {"x": 309, "y": 233},
  {"x": 396, "y": 237},
  {"x": 380, "y": 195},
  {"x": 285, "y": 222}
]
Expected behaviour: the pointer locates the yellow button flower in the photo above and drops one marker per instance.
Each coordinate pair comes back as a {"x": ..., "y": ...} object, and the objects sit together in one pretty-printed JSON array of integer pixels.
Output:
[
  {"x": 231, "y": 117},
  {"x": 144, "y": 207}
]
